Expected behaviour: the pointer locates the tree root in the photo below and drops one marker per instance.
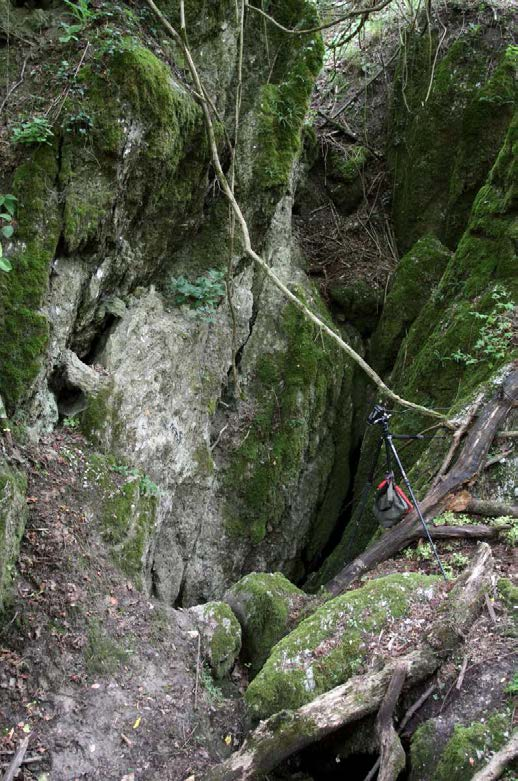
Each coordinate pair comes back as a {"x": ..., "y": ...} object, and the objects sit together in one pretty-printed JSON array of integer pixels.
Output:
[
  {"x": 499, "y": 762},
  {"x": 288, "y": 732}
]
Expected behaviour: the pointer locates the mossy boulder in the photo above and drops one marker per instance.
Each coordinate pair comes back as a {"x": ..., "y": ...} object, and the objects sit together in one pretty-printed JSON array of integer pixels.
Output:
[
  {"x": 330, "y": 646},
  {"x": 360, "y": 303},
  {"x": 465, "y": 753},
  {"x": 343, "y": 176},
  {"x": 13, "y": 515},
  {"x": 264, "y": 603},
  {"x": 445, "y": 132},
  {"x": 415, "y": 277},
  {"x": 220, "y": 635}
]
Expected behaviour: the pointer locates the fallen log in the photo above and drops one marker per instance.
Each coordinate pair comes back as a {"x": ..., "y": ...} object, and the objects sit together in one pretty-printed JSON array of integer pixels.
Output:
[
  {"x": 499, "y": 761},
  {"x": 467, "y": 466},
  {"x": 287, "y": 732}
]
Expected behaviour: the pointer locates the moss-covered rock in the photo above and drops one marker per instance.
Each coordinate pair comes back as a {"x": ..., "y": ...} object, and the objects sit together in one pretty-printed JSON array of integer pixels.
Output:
[
  {"x": 329, "y": 646},
  {"x": 220, "y": 635},
  {"x": 360, "y": 302},
  {"x": 264, "y": 604},
  {"x": 284, "y": 100},
  {"x": 445, "y": 133},
  {"x": 467, "y": 750},
  {"x": 24, "y": 328},
  {"x": 293, "y": 388},
  {"x": 415, "y": 277},
  {"x": 127, "y": 513},
  {"x": 13, "y": 514}
]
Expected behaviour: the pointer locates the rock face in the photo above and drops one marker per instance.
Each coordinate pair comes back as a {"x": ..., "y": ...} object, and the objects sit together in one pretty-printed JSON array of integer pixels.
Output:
[
  {"x": 329, "y": 647},
  {"x": 250, "y": 477},
  {"x": 13, "y": 514}
]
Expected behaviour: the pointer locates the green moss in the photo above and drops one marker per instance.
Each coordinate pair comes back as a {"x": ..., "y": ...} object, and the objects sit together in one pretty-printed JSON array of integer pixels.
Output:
[
  {"x": 348, "y": 165},
  {"x": 466, "y": 752},
  {"x": 98, "y": 414},
  {"x": 329, "y": 646},
  {"x": 293, "y": 388},
  {"x": 284, "y": 101},
  {"x": 416, "y": 275},
  {"x": 221, "y": 636},
  {"x": 127, "y": 522},
  {"x": 360, "y": 302},
  {"x": 24, "y": 328},
  {"x": 442, "y": 149},
  {"x": 263, "y": 603}
]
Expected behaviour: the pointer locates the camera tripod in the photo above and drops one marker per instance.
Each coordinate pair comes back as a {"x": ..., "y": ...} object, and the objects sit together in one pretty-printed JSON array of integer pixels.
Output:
[{"x": 380, "y": 417}]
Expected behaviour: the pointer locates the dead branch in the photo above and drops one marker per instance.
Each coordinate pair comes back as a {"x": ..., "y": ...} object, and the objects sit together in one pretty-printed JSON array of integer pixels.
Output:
[
  {"x": 288, "y": 732},
  {"x": 458, "y": 436},
  {"x": 14, "y": 86},
  {"x": 499, "y": 762},
  {"x": 469, "y": 463},
  {"x": 17, "y": 760},
  {"x": 181, "y": 40},
  {"x": 408, "y": 715},
  {"x": 491, "y": 509},
  {"x": 392, "y": 753}
]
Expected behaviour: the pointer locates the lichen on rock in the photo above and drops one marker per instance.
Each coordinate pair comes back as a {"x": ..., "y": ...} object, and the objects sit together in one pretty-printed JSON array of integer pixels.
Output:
[
  {"x": 328, "y": 647},
  {"x": 220, "y": 635}
]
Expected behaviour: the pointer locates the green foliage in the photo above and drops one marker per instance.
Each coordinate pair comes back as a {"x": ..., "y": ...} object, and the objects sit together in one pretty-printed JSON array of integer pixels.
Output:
[
  {"x": 7, "y": 211},
  {"x": 71, "y": 423},
  {"x": 512, "y": 686},
  {"x": 203, "y": 295},
  {"x": 81, "y": 123},
  {"x": 83, "y": 14},
  {"x": 496, "y": 331},
  {"x": 146, "y": 486},
  {"x": 214, "y": 693},
  {"x": 36, "y": 130}
]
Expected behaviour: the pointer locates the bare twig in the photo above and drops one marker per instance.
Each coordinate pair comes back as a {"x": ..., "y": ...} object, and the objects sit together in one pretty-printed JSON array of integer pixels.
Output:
[
  {"x": 460, "y": 679},
  {"x": 311, "y": 30},
  {"x": 257, "y": 258},
  {"x": 198, "y": 665},
  {"x": 15, "y": 85},
  {"x": 367, "y": 84}
]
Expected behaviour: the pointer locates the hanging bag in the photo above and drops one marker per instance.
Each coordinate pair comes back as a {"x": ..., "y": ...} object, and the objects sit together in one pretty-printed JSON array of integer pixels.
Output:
[{"x": 391, "y": 503}]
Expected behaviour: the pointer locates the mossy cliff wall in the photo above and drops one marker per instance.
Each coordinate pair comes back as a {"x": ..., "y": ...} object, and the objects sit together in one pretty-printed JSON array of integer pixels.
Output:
[
  {"x": 256, "y": 481},
  {"x": 446, "y": 328},
  {"x": 446, "y": 126},
  {"x": 13, "y": 514}
]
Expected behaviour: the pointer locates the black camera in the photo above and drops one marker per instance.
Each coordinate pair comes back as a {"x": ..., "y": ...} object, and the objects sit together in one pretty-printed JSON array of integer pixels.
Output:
[{"x": 378, "y": 415}]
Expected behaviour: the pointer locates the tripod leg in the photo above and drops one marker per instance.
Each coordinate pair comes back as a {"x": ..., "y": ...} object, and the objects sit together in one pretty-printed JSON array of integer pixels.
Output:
[{"x": 415, "y": 503}]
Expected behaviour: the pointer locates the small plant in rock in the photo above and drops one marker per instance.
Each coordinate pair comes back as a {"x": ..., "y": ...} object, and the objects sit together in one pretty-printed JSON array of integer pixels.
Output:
[
  {"x": 495, "y": 336},
  {"x": 83, "y": 14},
  {"x": 147, "y": 487},
  {"x": 7, "y": 212},
  {"x": 80, "y": 124},
  {"x": 71, "y": 423},
  {"x": 36, "y": 130},
  {"x": 203, "y": 295},
  {"x": 213, "y": 691}
]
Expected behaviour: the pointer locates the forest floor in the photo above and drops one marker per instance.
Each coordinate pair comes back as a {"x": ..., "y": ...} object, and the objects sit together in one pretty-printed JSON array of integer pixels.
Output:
[{"x": 102, "y": 678}]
